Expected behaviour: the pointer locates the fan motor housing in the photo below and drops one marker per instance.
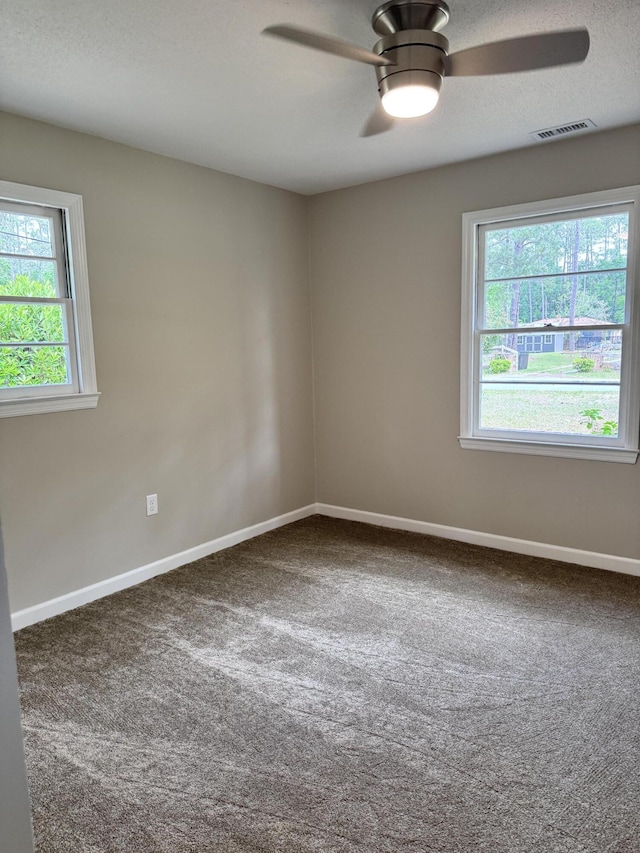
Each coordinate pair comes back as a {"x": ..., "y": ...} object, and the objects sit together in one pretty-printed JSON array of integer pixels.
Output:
[{"x": 418, "y": 57}]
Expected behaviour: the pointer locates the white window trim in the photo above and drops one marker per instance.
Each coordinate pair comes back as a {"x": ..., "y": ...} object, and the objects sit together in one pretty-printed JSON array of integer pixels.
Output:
[
  {"x": 578, "y": 447},
  {"x": 87, "y": 397}
]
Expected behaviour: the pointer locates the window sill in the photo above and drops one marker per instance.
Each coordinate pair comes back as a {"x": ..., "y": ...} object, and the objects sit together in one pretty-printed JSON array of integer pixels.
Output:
[
  {"x": 45, "y": 405},
  {"x": 567, "y": 451}
]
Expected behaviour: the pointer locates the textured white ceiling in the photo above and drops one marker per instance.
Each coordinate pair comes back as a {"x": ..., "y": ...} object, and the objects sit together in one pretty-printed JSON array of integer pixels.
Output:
[{"x": 194, "y": 79}]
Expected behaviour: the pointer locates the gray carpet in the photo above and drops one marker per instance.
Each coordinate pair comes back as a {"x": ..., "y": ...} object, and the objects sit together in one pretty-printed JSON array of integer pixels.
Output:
[{"x": 333, "y": 686}]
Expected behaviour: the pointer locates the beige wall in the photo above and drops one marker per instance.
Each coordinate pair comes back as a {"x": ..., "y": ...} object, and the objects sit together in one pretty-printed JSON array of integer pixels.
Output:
[
  {"x": 200, "y": 306},
  {"x": 385, "y": 263},
  {"x": 202, "y": 331}
]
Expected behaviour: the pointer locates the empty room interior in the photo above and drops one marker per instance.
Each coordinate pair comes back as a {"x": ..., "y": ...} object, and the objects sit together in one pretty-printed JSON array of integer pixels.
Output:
[{"x": 319, "y": 422}]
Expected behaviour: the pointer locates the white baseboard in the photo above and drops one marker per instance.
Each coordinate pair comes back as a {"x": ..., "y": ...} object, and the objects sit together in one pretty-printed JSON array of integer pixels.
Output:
[
  {"x": 55, "y": 606},
  {"x": 610, "y": 562}
]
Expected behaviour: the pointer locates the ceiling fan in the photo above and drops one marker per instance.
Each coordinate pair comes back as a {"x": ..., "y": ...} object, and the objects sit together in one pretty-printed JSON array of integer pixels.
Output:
[{"x": 412, "y": 56}]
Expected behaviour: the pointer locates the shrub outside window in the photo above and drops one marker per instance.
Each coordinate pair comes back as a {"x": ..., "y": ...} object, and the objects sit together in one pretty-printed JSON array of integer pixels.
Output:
[
  {"x": 46, "y": 346},
  {"x": 549, "y": 328}
]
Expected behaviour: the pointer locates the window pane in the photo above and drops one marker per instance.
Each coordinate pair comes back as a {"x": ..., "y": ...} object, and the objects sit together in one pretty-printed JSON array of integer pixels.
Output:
[
  {"x": 588, "y": 356},
  {"x": 590, "y": 243},
  {"x": 572, "y": 410},
  {"x": 571, "y": 300},
  {"x": 21, "y": 277},
  {"x": 23, "y": 321},
  {"x": 26, "y": 234},
  {"x": 33, "y": 366}
]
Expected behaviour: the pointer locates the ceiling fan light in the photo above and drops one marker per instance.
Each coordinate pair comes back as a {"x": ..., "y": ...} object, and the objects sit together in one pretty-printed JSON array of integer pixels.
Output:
[
  {"x": 410, "y": 101},
  {"x": 409, "y": 93}
]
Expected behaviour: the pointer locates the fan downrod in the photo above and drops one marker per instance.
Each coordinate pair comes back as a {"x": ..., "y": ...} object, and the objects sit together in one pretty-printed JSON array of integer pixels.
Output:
[{"x": 398, "y": 15}]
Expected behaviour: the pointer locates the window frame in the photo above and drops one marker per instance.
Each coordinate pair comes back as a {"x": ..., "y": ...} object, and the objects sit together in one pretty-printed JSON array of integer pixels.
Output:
[
  {"x": 624, "y": 448},
  {"x": 82, "y": 392}
]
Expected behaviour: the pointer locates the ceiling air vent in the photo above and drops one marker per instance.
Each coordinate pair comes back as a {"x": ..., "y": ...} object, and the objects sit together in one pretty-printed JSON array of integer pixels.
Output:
[{"x": 564, "y": 129}]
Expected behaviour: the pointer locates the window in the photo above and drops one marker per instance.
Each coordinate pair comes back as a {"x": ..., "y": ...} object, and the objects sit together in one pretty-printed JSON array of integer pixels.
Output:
[
  {"x": 550, "y": 350},
  {"x": 46, "y": 347}
]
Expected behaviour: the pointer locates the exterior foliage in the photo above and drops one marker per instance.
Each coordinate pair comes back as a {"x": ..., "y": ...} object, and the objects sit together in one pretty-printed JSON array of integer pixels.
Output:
[
  {"x": 32, "y": 324},
  {"x": 499, "y": 365},
  {"x": 584, "y": 364},
  {"x": 572, "y": 252},
  {"x": 596, "y": 424}
]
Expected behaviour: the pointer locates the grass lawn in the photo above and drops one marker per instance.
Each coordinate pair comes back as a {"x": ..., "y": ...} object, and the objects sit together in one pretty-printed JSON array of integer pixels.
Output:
[
  {"x": 549, "y": 409},
  {"x": 541, "y": 362}
]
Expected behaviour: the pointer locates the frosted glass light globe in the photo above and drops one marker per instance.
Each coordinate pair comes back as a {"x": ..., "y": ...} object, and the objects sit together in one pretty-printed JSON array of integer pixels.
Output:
[{"x": 410, "y": 101}]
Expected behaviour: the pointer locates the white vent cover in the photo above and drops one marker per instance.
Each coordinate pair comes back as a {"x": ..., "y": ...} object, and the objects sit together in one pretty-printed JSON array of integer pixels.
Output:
[{"x": 564, "y": 129}]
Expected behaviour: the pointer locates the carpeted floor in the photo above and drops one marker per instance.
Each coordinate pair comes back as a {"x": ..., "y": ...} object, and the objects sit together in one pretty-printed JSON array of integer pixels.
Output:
[{"x": 333, "y": 686}]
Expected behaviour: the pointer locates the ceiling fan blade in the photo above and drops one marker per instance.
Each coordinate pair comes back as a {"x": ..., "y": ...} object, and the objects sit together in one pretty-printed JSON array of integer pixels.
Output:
[
  {"x": 527, "y": 53},
  {"x": 328, "y": 44},
  {"x": 378, "y": 122}
]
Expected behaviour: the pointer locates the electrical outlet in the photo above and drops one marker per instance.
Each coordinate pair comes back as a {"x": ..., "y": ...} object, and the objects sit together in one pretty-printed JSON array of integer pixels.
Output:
[{"x": 152, "y": 504}]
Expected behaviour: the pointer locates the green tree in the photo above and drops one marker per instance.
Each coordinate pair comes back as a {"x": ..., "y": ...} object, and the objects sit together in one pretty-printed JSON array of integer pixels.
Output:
[
  {"x": 566, "y": 269},
  {"x": 31, "y": 323}
]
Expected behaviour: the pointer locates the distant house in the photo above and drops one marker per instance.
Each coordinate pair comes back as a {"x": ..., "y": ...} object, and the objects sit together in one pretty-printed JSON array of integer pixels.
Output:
[
  {"x": 539, "y": 342},
  {"x": 549, "y": 342}
]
